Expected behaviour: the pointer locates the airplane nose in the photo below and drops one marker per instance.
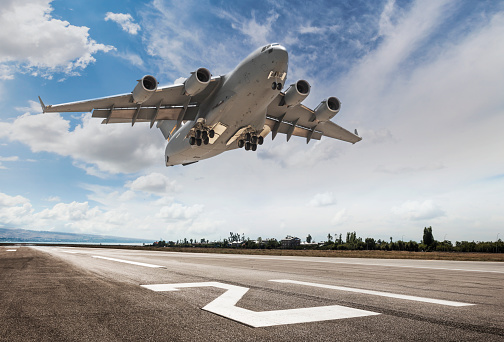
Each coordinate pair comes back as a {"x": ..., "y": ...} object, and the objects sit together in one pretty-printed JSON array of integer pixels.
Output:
[{"x": 281, "y": 54}]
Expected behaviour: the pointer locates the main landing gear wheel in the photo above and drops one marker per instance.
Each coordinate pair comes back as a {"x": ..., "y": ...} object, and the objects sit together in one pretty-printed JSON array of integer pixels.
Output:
[
  {"x": 211, "y": 134},
  {"x": 241, "y": 143},
  {"x": 206, "y": 141},
  {"x": 198, "y": 142},
  {"x": 198, "y": 134},
  {"x": 192, "y": 140},
  {"x": 260, "y": 140},
  {"x": 247, "y": 146},
  {"x": 254, "y": 147}
]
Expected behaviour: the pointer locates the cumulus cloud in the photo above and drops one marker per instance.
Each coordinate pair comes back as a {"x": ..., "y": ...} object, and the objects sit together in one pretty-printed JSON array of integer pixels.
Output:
[
  {"x": 111, "y": 148},
  {"x": 153, "y": 183},
  {"x": 125, "y": 20},
  {"x": 32, "y": 41},
  {"x": 416, "y": 211},
  {"x": 322, "y": 200}
]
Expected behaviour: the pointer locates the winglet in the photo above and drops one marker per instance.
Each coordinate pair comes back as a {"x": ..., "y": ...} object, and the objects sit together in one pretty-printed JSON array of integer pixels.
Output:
[{"x": 42, "y": 105}]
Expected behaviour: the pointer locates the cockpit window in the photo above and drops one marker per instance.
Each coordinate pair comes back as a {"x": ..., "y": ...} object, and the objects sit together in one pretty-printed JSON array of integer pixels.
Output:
[{"x": 268, "y": 46}]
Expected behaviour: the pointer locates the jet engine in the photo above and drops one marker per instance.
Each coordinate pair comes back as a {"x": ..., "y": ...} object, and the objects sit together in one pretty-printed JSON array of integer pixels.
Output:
[
  {"x": 197, "y": 82},
  {"x": 144, "y": 89},
  {"x": 296, "y": 93},
  {"x": 326, "y": 110}
]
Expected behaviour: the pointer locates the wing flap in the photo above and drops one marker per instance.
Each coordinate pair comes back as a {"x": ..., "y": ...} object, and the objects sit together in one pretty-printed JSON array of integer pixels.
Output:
[{"x": 282, "y": 118}]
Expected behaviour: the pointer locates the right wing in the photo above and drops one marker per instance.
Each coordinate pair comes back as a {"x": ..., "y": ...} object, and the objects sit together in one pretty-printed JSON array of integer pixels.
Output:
[{"x": 167, "y": 103}]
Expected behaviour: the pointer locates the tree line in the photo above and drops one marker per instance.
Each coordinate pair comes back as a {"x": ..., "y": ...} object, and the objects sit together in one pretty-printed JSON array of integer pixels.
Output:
[{"x": 350, "y": 242}]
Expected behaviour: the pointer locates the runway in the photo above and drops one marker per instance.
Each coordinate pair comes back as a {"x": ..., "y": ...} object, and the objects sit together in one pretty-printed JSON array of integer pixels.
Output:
[{"x": 95, "y": 294}]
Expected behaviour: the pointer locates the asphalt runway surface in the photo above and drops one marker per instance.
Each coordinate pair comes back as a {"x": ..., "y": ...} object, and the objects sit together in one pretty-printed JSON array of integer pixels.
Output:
[{"x": 94, "y": 294}]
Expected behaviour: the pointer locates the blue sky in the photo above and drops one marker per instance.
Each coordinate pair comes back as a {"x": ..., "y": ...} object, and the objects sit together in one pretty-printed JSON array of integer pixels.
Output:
[{"x": 421, "y": 80}]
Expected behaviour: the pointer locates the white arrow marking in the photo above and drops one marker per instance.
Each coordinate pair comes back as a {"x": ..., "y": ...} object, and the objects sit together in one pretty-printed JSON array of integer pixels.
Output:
[
  {"x": 225, "y": 306},
  {"x": 376, "y": 293}
]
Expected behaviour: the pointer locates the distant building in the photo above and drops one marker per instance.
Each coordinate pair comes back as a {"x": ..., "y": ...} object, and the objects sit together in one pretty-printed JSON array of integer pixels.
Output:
[{"x": 290, "y": 242}]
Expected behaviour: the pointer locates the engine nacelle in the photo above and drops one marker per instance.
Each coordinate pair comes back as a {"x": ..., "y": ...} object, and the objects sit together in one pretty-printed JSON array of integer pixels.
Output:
[
  {"x": 144, "y": 89},
  {"x": 198, "y": 81},
  {"x": 296, "y": 93},
  {"x": 326, "y": 110}
]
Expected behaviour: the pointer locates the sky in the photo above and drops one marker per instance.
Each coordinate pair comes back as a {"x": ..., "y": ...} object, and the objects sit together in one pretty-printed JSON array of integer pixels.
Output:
[{"x": 422, "y": 81}]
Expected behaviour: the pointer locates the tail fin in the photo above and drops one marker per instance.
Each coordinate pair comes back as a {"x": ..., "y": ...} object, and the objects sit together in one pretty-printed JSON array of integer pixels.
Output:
[
  {"x": 167, "y": 127},
  {"x": 42, "y": 105}
]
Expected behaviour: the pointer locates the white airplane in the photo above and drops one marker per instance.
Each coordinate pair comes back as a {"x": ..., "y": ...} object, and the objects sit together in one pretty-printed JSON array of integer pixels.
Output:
[{"x": 206, "y": 116}]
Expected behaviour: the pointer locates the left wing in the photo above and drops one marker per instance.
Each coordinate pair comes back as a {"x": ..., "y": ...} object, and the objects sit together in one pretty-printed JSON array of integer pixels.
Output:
[
  {"x": 147, "y": 103},
  {"x": 304, "y": 122}
]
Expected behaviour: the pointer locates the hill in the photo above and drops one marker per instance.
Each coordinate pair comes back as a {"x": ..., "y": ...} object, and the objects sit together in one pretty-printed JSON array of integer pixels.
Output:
[{"x": 25, "y": 235}]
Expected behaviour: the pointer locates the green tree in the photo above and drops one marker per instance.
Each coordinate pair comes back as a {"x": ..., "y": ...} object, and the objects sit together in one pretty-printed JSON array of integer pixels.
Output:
[
  {"x": 309, "y": 238},
  {"x": 428, "y": 238}
]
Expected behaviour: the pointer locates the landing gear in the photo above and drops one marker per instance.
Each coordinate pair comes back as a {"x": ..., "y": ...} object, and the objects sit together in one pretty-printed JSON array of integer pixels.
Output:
[
  {"x": 277, "y": 86},
  {"x": 201, "y": 136},
  {"x": 250, "y": 141}
]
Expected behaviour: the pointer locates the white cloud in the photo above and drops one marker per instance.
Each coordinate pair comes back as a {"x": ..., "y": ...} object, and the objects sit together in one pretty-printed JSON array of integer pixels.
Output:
[
  {"x": 32, "y": 41},
  {"x": 8, "y": 159},
  {"x": 153, "y": 183},
  {"x": 179, "y": 211},
  {"x": 259, "y": 33},
  {"x": 9, "y": 201},
  {"x": 416, "y": 211},
  {"x": 125, "y": 20},
  {"x": 132, "y": 58},
  {"x": 322, "y": 200},
  {"x": 53, "y": 199},
  {"x": 340, "y": 217},
  {"x": 113, "y": 148}
]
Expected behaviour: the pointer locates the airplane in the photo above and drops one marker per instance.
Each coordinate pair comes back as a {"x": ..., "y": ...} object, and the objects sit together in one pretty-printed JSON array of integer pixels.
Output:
[{"x": 206, "y": 116}]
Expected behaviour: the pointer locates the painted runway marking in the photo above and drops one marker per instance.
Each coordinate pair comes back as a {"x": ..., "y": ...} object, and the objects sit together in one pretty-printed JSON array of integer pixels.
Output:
[
  {"x": 11, "y": 250},
  {"x": 128, "y": 262},
  {"x": 225, "y": 306},
  {"x": 375, "y": 293}
]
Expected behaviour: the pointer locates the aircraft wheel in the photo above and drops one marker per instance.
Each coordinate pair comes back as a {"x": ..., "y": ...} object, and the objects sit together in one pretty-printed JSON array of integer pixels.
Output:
[
  {"x": 253, "y": 139},
  {"x": 192, "y": 140},
  {"x": 198, "y": 134},
  {"x": 204, "y": 135},
  {"x": 198, "y": 142},
  {"x": 241, "y": 143},
  {"x": 260, "y": 140},
  {"x": 211, "y": 134},
  {"x": 254, "y": 147},
  {"x": 273, "y": 85},
  {"x": 206, "y": 141},
  {"x": 247, "y": 146},
  {"x": 248, "y": 136},
  {"x": 279, "y": 86}
]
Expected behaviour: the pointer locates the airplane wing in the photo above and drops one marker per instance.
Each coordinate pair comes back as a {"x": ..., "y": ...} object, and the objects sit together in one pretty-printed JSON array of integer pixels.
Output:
[
  {"x": 166, "y": 103},
  {"x": 297, "y": 121}
]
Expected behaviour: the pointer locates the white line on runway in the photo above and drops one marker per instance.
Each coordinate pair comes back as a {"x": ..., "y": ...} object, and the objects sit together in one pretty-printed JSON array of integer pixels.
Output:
[
  {"x": 128, "y": 262},
  {"x": 375, "y": 293},
  {"x": 11, "y": 250}
]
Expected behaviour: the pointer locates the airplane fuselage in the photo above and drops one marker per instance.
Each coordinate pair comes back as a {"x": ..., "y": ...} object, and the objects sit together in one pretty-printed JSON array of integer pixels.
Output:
[{"x": 237, "y": 106}]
